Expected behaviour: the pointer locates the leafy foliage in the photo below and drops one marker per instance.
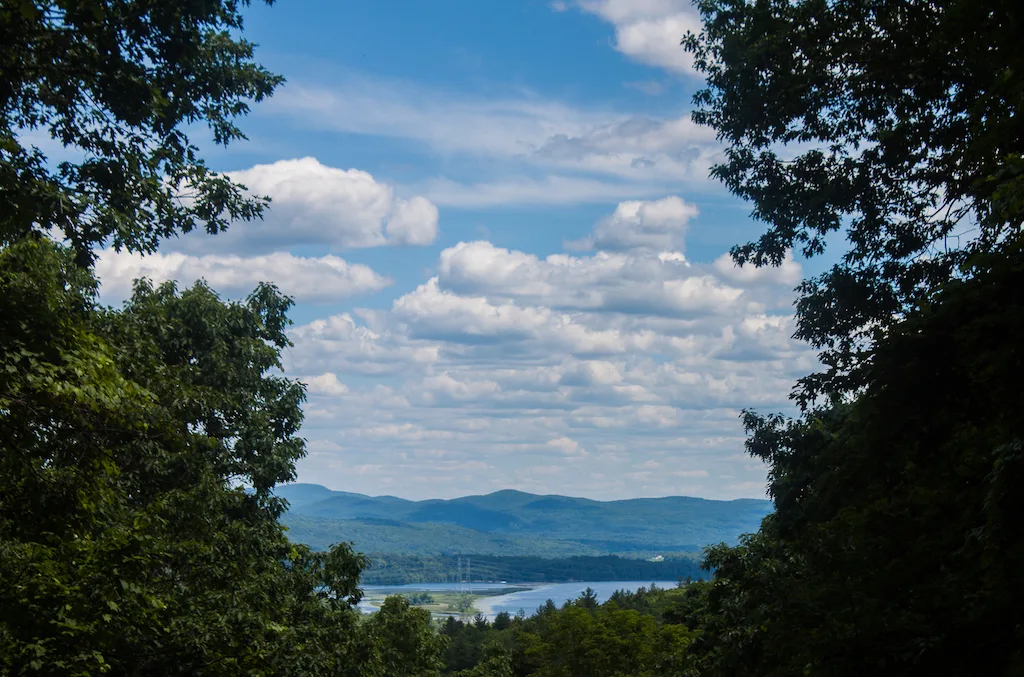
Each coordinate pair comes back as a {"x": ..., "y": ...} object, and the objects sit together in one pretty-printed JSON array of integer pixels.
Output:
[
  {"x": 128, "y": 544},
  {"x": 407, "y": 645},
  {"x": 895, "y": 535},
  {"x": 115, "y": 84},
  {"x": 139, "y": 447},
  {"x": 897, "y": 540},
  {"x": 898, "y": 122},
  {"x": 631, "y": 634},
  {"x": 892, "y": 544}
]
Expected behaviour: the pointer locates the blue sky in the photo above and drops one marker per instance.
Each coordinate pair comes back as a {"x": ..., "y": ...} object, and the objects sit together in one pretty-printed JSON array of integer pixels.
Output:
[{"x": 508, "y": 259}]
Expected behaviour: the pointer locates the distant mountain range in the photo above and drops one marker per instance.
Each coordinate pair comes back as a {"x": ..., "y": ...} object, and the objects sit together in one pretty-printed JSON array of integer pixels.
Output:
[{"x": 515, "y": 523}]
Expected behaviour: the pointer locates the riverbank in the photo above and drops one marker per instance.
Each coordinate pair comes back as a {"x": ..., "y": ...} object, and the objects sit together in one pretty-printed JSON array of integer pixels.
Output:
[
  {"x": 441, "y": 599},
  {"x": 449, "y": 599}
]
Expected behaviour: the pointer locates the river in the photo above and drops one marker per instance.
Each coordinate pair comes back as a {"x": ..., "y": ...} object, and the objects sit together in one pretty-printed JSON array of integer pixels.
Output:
[
  {"x": 528, "y": 599},
  {"x": 559, "y": 593}
]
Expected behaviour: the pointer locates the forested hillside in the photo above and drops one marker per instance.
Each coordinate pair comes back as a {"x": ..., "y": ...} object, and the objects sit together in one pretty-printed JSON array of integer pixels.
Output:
[
  {"x": 388, "y": 536},
  {"x": 385, "y": 569},
  {"x": 515, "y": 523}
]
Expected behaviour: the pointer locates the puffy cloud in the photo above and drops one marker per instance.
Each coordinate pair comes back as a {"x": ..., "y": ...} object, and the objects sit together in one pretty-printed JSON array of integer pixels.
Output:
[
  {"x": 641, "y": 276},
  {"x": 313, "y": 204},
  {"x": 413, "y": 222},
  {"x": 658, "y": 225},
  {"x": 656, "y": 41},
  {"x": 432, "y": 313},
  {"x": 591, "y": 373},
  {"x": 568, "y": 447},
  {"x": 481, "y": 265},
  {"x": 325, "y": 384},
  {"x": 455, "y": 390},
  {"x": 650, "y": 31},
  {"x": 435, "y": 313},
  {"x": 349, "y": 347},
  {"x": 322, "y": 279}
]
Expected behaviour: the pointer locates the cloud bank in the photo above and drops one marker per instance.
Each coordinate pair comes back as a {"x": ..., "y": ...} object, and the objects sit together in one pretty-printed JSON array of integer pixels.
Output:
[
  {"x": 324, "y": 279},
  {"x": 622, "y": 356}
]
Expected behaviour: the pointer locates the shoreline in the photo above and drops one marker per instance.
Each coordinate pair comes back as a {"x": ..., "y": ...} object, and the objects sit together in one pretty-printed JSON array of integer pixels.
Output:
[
  {"x": 446, "y": 599},
  {"x": 485, "y": 605}
]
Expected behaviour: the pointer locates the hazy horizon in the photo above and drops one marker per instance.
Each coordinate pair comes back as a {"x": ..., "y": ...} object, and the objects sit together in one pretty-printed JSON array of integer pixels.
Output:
[{"x": 448, "y": 498}]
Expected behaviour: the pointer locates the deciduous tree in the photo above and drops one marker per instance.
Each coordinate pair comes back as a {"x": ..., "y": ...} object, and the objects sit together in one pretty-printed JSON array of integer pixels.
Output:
[
  {"x": 895, "y": 122},
  {"x": 95, "y": 100}
]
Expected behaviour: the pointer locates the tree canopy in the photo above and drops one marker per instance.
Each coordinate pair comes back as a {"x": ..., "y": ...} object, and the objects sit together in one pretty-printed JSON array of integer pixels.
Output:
[
  {"x": 128, "y": 541},
  {"x": 896, "y": 122},
  {"x": 896, "y": 530},
  {"x": 110, "y": 87},
  {"x": 897, "y": 538},
  {"x": 139, "y": 445}
]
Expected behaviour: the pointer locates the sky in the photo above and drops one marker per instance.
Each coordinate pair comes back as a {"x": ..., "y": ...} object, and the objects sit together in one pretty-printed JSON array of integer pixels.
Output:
[{"x": 508, "y": 260}]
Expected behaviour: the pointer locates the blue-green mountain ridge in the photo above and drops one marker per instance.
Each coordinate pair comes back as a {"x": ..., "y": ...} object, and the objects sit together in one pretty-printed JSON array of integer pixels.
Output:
[{"x": 512, "y": 522}]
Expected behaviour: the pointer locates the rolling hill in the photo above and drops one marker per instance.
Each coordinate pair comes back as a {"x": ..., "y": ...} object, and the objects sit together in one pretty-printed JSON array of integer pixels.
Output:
[
  {"x": 515, "y": 523},
  {"x": 385, "y": 536}
]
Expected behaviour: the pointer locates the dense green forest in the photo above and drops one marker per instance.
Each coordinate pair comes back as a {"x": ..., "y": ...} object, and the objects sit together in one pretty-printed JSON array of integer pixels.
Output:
[
  {"x": 388, "y": 536},
  {"x": 387, "y": 569},
  {"x": 634, "y": 633},
  {"x": 140, "y": 446}
]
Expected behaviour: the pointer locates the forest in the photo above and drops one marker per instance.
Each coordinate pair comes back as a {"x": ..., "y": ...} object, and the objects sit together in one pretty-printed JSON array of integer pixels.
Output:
[
  {"x": 638, "y": 633},
  {"x": 388, "y": 569},
  {"x": 140, "y": 445}
]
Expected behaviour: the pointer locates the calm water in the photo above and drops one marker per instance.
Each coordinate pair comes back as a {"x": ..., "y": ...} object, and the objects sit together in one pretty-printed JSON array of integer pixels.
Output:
[
  {"x": 436, "y": 587},
  {"x": 527, "y": 599}
]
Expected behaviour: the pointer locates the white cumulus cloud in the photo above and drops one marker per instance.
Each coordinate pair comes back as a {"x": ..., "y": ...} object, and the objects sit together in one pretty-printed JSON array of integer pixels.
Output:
[
  {"x": 315, "y": 204},
  {"x": 325, "y": 384},
  {"x": 323, "y": 279},
  {"x": 413, "y": 222},
  {"x": 650, "y": 31},
  {"x": 658, "y": 225},
  {"x": 347, "y": 346}
]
